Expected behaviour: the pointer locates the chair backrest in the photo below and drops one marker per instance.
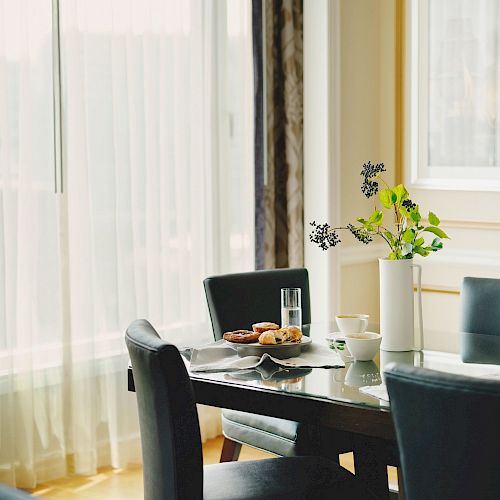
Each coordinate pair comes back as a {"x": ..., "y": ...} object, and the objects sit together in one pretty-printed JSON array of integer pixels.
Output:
[
  {"x": 448, "y": 433},
  {"x": 236, "y": 301},
  {"x": 480, "y": 322},
  {"x": 481, "y": 306},
  {"x": 170, "y": 434}
]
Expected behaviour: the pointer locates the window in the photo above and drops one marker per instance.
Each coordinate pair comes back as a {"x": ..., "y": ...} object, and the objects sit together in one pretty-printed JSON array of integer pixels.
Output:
[
  {"x": 454, "y": 93},
  {"x": 29, "y": 252},
  {"x": 157, "y": 162},
  {"x": 146, "y": 105}
]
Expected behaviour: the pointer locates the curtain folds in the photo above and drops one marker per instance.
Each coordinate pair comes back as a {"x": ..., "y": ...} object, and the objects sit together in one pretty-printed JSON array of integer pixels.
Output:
[
  {"x": 279, "y": 196},
  {"x": 155, "y": 138}
]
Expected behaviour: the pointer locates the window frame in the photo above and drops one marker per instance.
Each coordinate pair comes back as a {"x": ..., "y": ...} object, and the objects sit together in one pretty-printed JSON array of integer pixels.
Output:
[{"x": 418, "y": 175}]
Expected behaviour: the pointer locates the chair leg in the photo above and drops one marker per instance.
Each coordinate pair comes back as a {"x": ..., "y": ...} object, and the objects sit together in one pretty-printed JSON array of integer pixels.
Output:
[
  {"x": 400, "y": 485},
  {"x": 230, "y": 450}
]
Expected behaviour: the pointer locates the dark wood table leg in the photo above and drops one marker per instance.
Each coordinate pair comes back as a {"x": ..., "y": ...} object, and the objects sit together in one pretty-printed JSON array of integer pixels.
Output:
[
  {"x": 230, "y": 450},
  {"x": 370, "y": 464}
]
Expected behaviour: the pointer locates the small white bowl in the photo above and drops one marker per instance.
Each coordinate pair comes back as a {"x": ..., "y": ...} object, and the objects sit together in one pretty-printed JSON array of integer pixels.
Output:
[{"x": 363, "y": 346}]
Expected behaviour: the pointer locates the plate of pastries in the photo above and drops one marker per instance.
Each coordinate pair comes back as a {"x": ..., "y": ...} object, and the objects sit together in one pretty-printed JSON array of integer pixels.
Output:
[{"x": 265, "y": 336}]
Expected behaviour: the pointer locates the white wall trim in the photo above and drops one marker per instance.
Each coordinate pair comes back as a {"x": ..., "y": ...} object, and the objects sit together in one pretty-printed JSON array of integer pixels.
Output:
[
  {"x": 467, "y": 257},
  {"x": 350, "y": 256},
  {"x": 321, "y": 147},
  {"x": 335, "y": 139},
  {"x": 472, "y": 185}
]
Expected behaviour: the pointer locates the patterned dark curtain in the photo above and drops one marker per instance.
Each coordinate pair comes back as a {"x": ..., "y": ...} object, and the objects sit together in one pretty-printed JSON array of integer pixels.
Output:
[{"x": 278, "y": 64}]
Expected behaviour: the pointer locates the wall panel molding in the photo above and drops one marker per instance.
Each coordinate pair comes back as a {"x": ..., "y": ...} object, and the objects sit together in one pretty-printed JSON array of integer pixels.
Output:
[
  {"x": 448, "y": 290},
  {"x": 350, "y": 256},
  {"x": 487, "y": 225}
]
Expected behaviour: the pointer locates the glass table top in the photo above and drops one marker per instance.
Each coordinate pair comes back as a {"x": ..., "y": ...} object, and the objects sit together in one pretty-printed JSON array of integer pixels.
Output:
[{"x": 343, "y": 384}]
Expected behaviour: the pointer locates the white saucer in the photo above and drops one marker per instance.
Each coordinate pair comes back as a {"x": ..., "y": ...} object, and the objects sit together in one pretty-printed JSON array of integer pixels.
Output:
[{"x": 338, "y": 336}]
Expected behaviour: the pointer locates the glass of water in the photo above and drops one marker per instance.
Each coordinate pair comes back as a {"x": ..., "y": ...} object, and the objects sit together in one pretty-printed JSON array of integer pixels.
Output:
[{"x": 291, "y": 307}]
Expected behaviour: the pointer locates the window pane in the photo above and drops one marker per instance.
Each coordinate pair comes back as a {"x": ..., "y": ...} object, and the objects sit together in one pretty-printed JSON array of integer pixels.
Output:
[
  {"x": 29, "y": 247},
  {"x": 463, "y": 83}
]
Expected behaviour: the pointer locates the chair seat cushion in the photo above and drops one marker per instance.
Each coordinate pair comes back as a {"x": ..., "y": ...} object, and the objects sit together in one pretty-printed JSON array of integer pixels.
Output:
[
  {"x": 274, "y": 435},
  {"x": 282, "y": 437},
  {"x": 307, "y": 477}
]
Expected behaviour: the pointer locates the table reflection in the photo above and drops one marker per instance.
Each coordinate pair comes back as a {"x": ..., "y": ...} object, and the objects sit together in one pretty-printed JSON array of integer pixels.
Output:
[
  {"x": 270, "y": 375},
  {"x": 361, "y": 373},
  {"x": 343, "y": 384}
]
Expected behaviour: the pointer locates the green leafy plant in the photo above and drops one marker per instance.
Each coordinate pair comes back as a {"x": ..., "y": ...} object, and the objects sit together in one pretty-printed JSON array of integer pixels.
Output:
[{"x": 405, "y": 233}]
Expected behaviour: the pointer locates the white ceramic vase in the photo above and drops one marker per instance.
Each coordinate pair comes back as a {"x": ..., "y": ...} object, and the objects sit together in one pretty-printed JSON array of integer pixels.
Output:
[{"x": 396, "y": 305}]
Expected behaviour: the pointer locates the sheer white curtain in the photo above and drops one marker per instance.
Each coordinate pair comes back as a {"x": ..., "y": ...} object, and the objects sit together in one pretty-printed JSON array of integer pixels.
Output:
[
  {"x": 31, "y": 380},
  {"x": 157, "y": 136}
]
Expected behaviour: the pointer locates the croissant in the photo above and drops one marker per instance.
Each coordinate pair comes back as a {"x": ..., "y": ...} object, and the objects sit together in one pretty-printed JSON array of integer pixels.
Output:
[{"x": 268, "y": 338}]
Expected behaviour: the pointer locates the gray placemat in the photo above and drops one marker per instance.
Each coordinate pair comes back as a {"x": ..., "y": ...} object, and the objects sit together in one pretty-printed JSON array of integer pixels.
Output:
[{"x": 219, "y": 357}]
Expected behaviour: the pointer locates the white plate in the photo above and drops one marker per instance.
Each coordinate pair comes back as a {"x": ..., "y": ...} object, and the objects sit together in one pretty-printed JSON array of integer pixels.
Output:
[{"x": 280, "y": 351}]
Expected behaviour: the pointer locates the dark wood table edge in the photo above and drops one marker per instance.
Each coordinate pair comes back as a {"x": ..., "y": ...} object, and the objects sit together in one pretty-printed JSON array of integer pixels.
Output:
[
  {"x": 340, "y": 415},
  {"x": 337, "y": 414}
]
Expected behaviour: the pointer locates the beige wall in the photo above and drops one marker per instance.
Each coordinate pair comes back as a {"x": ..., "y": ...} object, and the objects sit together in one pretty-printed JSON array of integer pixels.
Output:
[
  {"x": 367, "y": 132},
  {"x": 348, "y": 120}
]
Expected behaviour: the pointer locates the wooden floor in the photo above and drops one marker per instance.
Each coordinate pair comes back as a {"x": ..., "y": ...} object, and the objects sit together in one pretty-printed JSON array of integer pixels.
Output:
[{"x": 125, "y": 484}]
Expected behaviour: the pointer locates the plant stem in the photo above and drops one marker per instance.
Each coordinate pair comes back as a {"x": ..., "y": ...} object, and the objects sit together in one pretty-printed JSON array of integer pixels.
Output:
[
  {"x": 385, "y": 239},
  {"x": 382, "y": 179}
]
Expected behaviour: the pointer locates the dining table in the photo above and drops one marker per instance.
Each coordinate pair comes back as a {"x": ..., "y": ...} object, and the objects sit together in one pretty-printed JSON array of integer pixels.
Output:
[{"x": 351, "y": 399}]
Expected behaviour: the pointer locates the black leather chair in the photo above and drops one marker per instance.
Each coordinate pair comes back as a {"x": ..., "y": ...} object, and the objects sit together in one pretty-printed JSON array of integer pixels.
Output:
[
  {"x": 480, "y": 330},
  {"x": 7, "y": 493},
  {"x": 448, "y": 433},
  {"x": 236, "y": 301},
  {"x": 171, "y": 445}
]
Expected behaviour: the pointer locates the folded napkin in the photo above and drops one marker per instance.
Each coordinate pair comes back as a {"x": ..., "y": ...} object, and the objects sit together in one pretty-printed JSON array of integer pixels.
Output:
[
  {"x": 377, "y": 391},
  {"x": 219, "y": 357}
]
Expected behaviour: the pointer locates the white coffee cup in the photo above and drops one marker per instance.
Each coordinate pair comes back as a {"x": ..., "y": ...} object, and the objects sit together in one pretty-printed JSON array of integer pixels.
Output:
[
  {"x": 362, "y": 346},
  {"x": 352, "y": 323}
]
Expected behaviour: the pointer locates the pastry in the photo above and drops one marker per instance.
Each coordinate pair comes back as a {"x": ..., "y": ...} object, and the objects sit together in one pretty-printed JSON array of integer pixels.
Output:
[
  {"x": 264, "y": 326},
  {"x": 287, "y": 335},
  {"x": 280, "y": 335},
  {"x": 267, "y": 338},
  {"x": 293, "y": 334},
  {"x": 241, "y": 336}
]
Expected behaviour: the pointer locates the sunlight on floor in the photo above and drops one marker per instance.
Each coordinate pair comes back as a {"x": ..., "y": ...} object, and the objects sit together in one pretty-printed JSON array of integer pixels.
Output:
[{"x": 125, "y": 484}]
